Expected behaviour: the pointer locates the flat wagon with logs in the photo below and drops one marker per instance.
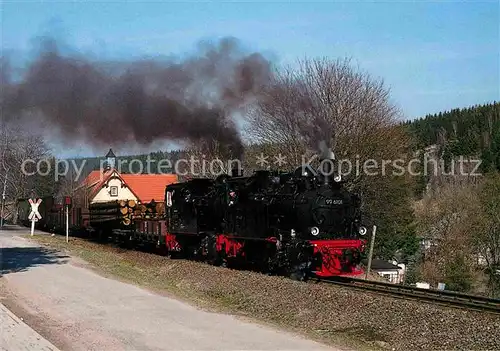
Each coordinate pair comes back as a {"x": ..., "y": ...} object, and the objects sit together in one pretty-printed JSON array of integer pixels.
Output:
[{"x": 129, "y": 220}]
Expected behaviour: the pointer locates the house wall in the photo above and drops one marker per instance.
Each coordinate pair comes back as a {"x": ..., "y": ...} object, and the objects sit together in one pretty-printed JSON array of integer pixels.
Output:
[
  {"x": 394, "y": 276},
  {"x": 104, "y": 194}
]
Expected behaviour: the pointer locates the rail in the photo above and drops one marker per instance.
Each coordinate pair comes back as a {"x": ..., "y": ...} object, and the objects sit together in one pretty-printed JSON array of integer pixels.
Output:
[{"x": 448, "y": 298}]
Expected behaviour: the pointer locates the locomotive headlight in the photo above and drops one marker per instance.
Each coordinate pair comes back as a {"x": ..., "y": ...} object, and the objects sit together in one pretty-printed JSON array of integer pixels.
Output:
[
  {"x": 337, "y": 178},
  {"x": 362, "y": 230},
  {"x": 314, "y": 231}
]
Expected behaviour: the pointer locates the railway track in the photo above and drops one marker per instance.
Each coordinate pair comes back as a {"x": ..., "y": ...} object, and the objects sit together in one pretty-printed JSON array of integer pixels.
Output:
[{"x": 447, "y": 298}]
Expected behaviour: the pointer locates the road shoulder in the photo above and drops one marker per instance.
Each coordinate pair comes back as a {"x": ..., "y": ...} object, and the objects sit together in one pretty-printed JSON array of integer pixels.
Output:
[{"x": 17, "y": 335}]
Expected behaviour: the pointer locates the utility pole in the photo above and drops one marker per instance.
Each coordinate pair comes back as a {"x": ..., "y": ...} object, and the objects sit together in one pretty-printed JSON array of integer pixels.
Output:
[
  {"x": 67, "y": 223},
  {"x": 371, "y": 252},
  {"x": 3, "y": 199},
  {"x": 4, "y": 148}
]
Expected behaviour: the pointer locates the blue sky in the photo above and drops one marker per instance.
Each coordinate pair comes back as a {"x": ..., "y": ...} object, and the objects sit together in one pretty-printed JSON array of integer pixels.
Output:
[{"x": 434, "y": 55}]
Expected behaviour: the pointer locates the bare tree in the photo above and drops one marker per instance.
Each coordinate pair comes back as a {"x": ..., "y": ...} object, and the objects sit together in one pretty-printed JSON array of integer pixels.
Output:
[
  {"x": 487, "y": 238},
  {"x": 451, "y": 219},
  {"x": 207, "y": 159},
  {"x": 20, "y": 154},
  {"x": 330, "y": 101}
]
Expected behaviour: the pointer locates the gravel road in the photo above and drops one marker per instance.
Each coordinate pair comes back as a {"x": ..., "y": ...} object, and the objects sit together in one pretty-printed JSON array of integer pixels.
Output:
[{"x": 77, "y": 309}]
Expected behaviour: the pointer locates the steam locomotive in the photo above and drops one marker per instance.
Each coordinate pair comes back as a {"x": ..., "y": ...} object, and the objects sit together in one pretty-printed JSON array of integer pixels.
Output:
[{"x": 300, "y": 224}]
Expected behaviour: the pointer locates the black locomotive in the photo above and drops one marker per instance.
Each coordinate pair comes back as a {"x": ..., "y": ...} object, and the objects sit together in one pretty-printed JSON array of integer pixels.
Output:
[{"x": 300, "y": 224}]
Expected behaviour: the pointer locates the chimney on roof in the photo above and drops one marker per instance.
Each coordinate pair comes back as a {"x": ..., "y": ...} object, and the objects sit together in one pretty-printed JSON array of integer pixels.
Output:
[{"x": 110, "y": 160}]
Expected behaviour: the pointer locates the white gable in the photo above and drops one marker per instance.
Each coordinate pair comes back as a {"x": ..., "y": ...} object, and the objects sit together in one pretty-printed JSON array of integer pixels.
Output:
[{"x": 113, "y": 191}]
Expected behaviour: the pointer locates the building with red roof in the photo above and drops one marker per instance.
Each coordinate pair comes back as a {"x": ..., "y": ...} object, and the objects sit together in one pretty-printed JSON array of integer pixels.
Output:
[
  {"x": 108, "y": 185},
  {"x": 149, "y": 187}
]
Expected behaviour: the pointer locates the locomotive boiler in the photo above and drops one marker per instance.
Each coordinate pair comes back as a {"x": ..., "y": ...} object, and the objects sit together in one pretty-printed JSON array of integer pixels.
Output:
[{"x": 302, "y": 223}]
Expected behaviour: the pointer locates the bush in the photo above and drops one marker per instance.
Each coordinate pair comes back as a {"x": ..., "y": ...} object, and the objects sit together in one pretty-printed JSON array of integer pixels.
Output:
[{"x": 457, "y": 275}]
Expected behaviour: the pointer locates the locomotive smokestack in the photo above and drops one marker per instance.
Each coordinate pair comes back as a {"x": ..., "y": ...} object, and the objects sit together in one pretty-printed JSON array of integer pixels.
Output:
[
  {"x": 327, "y": 158},
  {"x": 235, "y": 172}
]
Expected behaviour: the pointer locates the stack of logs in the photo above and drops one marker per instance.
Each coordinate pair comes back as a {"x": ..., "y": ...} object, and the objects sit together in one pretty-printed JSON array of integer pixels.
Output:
[{"x": 125, "y": 211}]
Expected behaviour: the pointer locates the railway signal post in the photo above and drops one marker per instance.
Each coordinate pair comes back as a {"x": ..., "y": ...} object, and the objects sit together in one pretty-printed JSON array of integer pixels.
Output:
[
  {"x": 3, "y": 200},
  {"x": 34, "y": 215},
  {"x": 67, "y": 224},
  {"x": 371, "y": 252},
  {"x": 67, "y": 205}
]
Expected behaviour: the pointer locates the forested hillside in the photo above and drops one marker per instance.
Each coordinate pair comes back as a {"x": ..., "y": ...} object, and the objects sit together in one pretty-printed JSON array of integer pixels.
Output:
[
  {"x": 461, "y": 217},
  {"x": 469, "y": 131}
]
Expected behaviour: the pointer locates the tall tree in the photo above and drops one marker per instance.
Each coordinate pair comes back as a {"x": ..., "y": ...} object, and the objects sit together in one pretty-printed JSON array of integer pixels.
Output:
[
  {"x": 26, "y": 165},
  {"x": 448, "y": 217},
  {"x": 487, "y": 239}
]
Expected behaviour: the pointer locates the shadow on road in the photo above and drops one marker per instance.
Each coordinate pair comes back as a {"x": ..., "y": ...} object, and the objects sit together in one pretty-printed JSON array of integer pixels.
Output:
[{"x": 18, "y": 259}]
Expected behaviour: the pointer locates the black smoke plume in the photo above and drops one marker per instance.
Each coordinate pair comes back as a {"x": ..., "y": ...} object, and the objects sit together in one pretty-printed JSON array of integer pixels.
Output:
[{"x": 113, "y": 103}]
